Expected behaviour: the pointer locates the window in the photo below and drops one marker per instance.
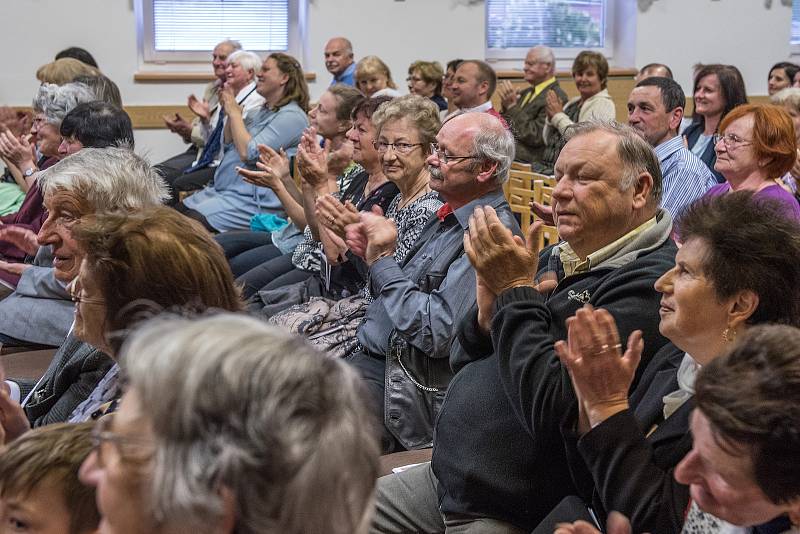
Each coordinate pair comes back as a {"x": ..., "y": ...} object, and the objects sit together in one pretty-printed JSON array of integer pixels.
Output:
[
  {"x": 795, "y": 39},
  {"x": 187, "y": 30},
  {"x": 567, "y": 26}
]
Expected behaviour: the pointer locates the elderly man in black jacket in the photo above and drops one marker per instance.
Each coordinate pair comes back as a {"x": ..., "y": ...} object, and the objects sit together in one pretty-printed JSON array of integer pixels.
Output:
[{"x": 499, "y": 461}]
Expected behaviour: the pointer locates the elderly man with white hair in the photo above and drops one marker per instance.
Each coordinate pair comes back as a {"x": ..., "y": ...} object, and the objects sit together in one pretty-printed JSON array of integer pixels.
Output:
[{"x": 526, "y": 111}]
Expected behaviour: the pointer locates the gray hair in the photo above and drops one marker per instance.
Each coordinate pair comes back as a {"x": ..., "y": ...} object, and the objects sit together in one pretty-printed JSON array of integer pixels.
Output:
[
  {"x": 494, "y": 143},
  {"x": 421, "y": 111},
  {"x": 635, "y": 154},
  {"x": 55, "y": 101},
  {"x": 789, "y": 97},
  {"x": 544, "y": 52},
  {"x": 108, "y": 178},
  {"x": 235, "y": 45},
  {"x": 239, "y": 404},
  {"x": 246, "y": 59}
]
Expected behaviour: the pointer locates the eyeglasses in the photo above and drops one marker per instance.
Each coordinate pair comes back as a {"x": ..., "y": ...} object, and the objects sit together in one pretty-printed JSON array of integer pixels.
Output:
[
  {"x": 128, "y": 447},
  {"x": 401, "y": 148},
  {"x": 443, "y": 157},
  {"x": 730, "y": 140},
  {"x": 77, "y": 295}
]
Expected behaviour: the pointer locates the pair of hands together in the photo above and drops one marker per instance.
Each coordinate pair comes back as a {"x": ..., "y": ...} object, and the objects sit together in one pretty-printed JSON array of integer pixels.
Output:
[{"x": 601, "y": 374}]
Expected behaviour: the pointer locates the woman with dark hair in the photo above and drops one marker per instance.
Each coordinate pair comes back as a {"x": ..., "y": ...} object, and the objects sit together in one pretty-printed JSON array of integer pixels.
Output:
[
  {"x": 97, "y": 125},
  {"x": 781, "y": 76},
  {"x": 755, "y": 148},
  {"x": 717, "y": 90},
  {"x": 229, "y": 203},
  {"x": 737, "y": 268},
  {"x": 447, "y": 83}
]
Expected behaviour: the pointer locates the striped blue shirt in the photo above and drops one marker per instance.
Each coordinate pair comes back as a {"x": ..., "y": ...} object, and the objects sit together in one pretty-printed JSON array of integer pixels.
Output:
[{"x": 685, "y": 177}]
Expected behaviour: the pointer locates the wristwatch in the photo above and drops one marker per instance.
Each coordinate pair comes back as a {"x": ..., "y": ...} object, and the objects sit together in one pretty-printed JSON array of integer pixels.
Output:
[{"x": 27, "y": 173}]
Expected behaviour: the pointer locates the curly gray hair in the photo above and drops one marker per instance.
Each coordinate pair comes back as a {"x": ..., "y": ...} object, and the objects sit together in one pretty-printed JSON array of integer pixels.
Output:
[
  {"x": 239, "y": 404},
  {"x": 55, "y": 101}
]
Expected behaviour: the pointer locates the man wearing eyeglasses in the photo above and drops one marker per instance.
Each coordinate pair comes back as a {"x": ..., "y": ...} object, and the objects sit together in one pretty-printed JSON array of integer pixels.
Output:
[
  {"x": 526, "y": 111},
  {"x": 407, "y": 332}
]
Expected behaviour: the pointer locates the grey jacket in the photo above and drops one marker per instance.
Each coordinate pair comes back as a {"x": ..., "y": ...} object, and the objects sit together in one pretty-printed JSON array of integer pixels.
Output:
[
  {"x": 527, "y": 122},
  {"x": 40, "y": 309},
  {"x": 75, "y": 371}
]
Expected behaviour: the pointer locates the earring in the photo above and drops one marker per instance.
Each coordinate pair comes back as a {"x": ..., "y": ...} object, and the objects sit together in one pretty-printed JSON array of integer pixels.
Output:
[{"x": 729, "y": 335}]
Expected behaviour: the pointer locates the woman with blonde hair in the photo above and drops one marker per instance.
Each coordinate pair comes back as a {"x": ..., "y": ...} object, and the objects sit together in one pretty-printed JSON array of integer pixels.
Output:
[
  {"x": 64, "y": 70},
  {"x": 425, "y": 78},
  {"x": 373, "y": 78}
]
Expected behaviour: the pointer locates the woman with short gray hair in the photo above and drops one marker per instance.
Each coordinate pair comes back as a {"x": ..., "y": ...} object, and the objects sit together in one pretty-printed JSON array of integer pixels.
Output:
[{"x": 230, "y": 425}]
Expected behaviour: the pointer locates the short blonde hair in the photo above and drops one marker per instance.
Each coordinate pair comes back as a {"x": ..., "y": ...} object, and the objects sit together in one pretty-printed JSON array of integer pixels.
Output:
[
  {"x": 419, "y": 110},
  {"x": 430, "y": 72},
  {"x": 64, "y": 70},
  {"x": 369, "y": 65}
]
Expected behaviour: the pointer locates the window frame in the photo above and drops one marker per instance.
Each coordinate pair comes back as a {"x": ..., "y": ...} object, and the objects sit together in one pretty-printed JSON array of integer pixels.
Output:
[
  {"x": 517, "y": 53},
  {"x": 298, "y": 24}
]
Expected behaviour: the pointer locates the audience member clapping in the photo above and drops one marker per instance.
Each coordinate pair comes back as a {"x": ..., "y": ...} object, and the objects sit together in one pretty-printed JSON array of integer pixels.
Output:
[
  {"x": 291, "y": 252},
  {"x": 631, "y": 445},
  {"x": 590, "y": 72},
  {"x": 717, "y": 90},
  {"x": 229, "y": 425},
  {"x": 742, "y": 467},
  {"x": 229, "y": 203},
  {"x": 755, "y": 148}
]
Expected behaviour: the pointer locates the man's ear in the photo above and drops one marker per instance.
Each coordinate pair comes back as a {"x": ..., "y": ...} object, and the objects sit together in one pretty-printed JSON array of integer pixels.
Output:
[
  {"x": 486, "y": 172},
  {"x": 642, "y": 190},
  {"x": 675, "y": 118}
]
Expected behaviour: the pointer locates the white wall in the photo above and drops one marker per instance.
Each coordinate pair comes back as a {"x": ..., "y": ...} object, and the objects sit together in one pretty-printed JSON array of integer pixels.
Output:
[{"x": 678, "y": 32}]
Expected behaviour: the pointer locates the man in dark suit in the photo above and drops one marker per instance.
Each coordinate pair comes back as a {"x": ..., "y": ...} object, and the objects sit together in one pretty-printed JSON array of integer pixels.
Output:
[{"x": 525, "y": 111}]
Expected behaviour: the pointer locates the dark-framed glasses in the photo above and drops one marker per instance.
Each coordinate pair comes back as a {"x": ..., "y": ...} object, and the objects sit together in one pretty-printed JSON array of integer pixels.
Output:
[{"x": 446, "y": 158}]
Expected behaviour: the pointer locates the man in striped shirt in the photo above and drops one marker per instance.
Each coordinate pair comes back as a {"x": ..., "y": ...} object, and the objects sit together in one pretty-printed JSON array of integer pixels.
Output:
[{"x": 655, "y": 110}]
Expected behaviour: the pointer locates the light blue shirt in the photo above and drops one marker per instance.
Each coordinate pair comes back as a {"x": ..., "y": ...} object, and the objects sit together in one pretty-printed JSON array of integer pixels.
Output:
[
  {"x": 229, "y": 203},
  {"x": 347, "y": 77},
  {"x": 685, "y": 177}
]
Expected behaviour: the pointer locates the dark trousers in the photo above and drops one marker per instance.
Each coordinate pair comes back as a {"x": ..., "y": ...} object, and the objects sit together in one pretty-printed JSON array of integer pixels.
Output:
[
  {"x": 196, "y": 215},
  {"x": 272, "y": 274},
  {"x": 172, "y": 170}
]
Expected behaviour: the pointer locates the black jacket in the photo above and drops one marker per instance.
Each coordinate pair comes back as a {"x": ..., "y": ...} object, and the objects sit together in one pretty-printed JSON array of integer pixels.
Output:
[{"x": 498, "y": 448}]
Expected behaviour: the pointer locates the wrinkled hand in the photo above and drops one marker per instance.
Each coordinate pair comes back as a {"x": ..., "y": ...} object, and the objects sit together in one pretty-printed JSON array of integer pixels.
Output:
[
  {"x": 616, "y": 524},
  {"x": 508, "y": 95},
  {"x": 14, "y": 268},
  {"x": 19, "y": 122},
  {"x": 373, "y": 237},
  {"x": 340, "y": 159},
  {"x": 273, "y": 168},
  {"x": 227, "y": 99},
  {"x": 15, "y": 149},
  {"x": 601, "y": 374},
  {"x": 545, "y": 213},
  {"x": 553, "y": 104},
  {"x": 501, "y": 259},
  {"x": 312, "y": 160},
  {"x": 13, "y": 421},
  {"x": 199, "y": 108},
  {"x": 22, "y": 238},
  {"x": 334, "y": 215},
  {"x": 180, "y": 126},
  {"x": 485, "y": 300}
]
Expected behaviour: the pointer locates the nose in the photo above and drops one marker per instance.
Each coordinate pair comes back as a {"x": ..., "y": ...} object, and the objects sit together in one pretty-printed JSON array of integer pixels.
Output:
[
  {"x": 47, "y": 234},
  {"x": 89, "y": 472},
  {"x": 562, "y": 192},
  {"x": 687, "y": 471},
  {"x": 62, "y": 148},
  {"x": 664, "y": 283}
]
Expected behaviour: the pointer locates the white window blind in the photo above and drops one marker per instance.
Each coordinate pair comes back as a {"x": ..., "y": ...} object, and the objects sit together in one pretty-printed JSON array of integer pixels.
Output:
[
  {"x": 198, "y": 25},
  {"x": 555, "y": 23},
  {"x": 795, "y": 22}
]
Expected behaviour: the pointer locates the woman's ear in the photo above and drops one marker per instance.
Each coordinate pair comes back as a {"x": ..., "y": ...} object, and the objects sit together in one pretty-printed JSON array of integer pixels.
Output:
[{"x": 742, "y": 307}]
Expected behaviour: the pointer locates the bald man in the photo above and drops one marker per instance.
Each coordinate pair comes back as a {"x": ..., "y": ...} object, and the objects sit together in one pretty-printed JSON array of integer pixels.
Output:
[{"x": 339, "y": 61}]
